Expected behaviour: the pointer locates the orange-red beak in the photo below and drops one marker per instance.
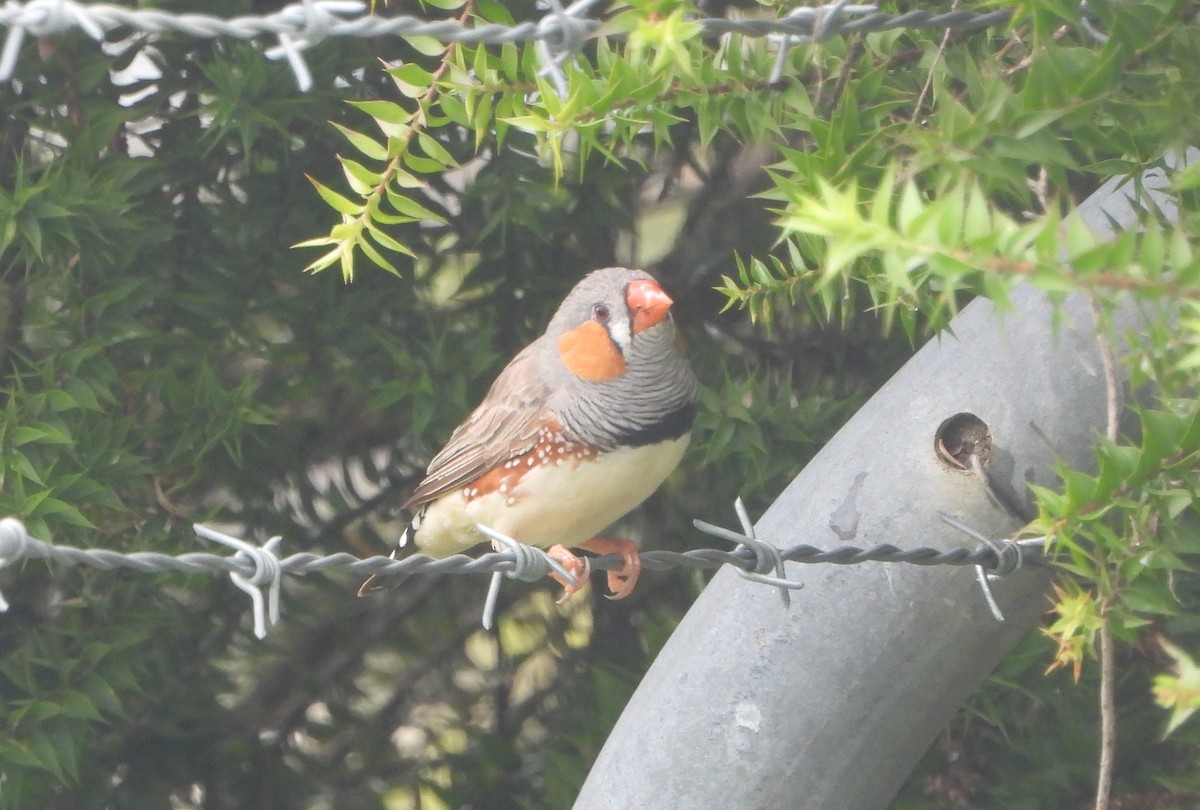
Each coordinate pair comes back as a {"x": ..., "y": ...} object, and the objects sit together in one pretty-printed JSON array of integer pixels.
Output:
[{"x": 648, "y": 303}]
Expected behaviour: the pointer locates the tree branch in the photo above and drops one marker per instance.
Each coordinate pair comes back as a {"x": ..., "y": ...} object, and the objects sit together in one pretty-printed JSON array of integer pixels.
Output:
[{"x": 1108, "y": 709}]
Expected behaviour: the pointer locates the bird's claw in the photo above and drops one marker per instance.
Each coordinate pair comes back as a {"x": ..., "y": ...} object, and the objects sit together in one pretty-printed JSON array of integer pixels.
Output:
[
  {"x": 578, "y": 567},
  {"x": 622, "y": 581}
]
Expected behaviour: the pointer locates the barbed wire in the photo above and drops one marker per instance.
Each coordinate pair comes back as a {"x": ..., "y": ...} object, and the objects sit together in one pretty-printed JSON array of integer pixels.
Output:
[
  {"x": 558, "y": 33},
  {"x": 255, "y": 568}
]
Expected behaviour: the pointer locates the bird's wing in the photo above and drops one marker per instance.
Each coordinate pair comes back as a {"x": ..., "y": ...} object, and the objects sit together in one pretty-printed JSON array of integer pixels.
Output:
[{"x": 503, "y": 427}]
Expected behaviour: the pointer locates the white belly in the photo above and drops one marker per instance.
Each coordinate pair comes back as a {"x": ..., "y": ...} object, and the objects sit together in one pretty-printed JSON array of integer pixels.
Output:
[{"x": 566, "y": 502}]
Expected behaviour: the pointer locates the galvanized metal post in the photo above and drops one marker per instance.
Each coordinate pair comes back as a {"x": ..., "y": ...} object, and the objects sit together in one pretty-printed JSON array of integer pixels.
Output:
[{"x": 831, "y": 703}]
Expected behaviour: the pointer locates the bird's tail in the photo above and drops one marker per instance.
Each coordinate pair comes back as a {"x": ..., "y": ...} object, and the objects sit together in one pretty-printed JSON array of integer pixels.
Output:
[{"x": 376, "y": 583}]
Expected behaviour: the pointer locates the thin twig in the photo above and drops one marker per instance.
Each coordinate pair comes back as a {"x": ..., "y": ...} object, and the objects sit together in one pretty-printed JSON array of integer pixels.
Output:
[
  {"x": 853, "y": 53},
  {"x": 1112, "y": 394},
  {"x": 1059, "y": 33},
  {"x": 937, "y": 57},
  {"x": 1108, "y": 709},
  {"x": 1108, "y": 719}
]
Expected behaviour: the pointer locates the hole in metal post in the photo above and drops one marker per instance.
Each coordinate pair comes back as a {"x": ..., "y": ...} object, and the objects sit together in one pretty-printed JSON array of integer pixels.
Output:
[{"x": 960, "y": 438}]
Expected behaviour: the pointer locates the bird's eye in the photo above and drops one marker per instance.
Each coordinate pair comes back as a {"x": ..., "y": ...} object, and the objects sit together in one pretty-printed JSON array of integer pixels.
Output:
[{"x": 600, "y": 312}]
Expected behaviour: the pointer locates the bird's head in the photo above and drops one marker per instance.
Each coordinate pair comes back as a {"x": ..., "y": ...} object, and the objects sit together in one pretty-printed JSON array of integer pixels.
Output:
[{"x": 611, "y": 318}]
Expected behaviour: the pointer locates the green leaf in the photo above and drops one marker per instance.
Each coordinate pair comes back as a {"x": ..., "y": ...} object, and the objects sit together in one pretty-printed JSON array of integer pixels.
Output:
[
  {"x": 101, "y": 694},
  {"x": 325, "y": 260},
  {"x": 41, "y": 433},
  {"x": 1036, "y": 122},
  {"x": 78, "y": 705},
  {"x": 1179, "y": 692},
  {"x": 411, "y": 208},
  {"x": 386, "y": 241},
  {"x": 910, "y": 208},
  {"x": 31, "y": 230},
  {"x": 62, "y": 512},
  {"x": 454, "y": 109},
  {"x": 425, "y": 45},
  {"x": 510, "y": 62},
  {"x": 361, "y": 179},
  {"x": 385, "y": 112},
  {"x": 411, "y": 79},
  {"x": 422, "y": 165},
  {"x": 375, "y": 256},
  {"x": 528, "y": 123},
  {"x": 343, "y": 205},
  {"x": 435, "y": 150},
  {"x": 82, "y": 395},
  {"x": 364, "y": 143}
]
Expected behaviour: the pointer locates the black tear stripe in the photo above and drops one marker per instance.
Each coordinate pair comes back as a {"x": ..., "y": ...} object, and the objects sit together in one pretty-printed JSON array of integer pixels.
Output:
[{"x": 675, "y": 424}]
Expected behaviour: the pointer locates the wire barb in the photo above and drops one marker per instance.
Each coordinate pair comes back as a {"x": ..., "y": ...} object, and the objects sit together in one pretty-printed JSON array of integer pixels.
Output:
[
  {"x": 1010, "y": 556},
  {"x": 1090, "y": 24},
  {"x": 267, "y": 574},
  {"x": 41, "y": 18},
  {"x": 14, "y": 545},
  {"x": 319, "y": 18},
  {"x": 529, "y": 565},
  {"x": 560, "y": 34},
  {"x": 767, "y": 557}
]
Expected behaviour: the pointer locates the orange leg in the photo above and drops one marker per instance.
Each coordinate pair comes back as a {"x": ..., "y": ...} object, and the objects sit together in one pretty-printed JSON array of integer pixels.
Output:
[
  {"x": 622, "y": 581},
  {"x": 578, "y": 567}
]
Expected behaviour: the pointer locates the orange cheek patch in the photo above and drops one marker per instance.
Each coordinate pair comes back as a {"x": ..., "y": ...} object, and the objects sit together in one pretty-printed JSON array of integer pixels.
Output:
[{"x": 590, "y": 354}]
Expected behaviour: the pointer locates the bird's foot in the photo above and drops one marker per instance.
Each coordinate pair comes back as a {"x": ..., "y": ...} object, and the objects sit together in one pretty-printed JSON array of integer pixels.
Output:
[
  {"x": 576, "y": 566},
  {"x": 623, "y": 580}
]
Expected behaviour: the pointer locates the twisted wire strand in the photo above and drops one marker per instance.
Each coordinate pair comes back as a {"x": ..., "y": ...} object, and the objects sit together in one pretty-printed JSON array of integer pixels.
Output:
[
  {"x": 258, "y": 570},
  {"x": 301, "y": 563},
  {"x": 557, "y": 34},
  {"x": 350, "y": 19}
]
